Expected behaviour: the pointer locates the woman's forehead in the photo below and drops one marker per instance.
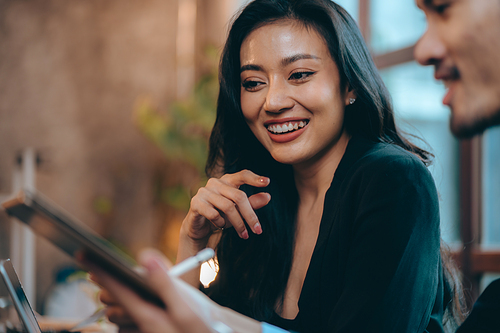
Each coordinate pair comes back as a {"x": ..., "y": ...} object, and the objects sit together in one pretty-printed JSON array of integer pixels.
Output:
[{"x": 282, "y": 40}]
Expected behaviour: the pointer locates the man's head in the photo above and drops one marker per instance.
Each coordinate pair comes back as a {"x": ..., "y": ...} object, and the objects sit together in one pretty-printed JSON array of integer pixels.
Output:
[{"x": 462, "y": 42}]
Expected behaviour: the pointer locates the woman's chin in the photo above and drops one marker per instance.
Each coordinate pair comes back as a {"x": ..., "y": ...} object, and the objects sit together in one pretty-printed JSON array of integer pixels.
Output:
[{"x": 287, "y": 159}]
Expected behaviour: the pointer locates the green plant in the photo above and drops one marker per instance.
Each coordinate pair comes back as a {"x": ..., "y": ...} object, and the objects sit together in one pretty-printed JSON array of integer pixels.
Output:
[{"x": 182, "y": 132}]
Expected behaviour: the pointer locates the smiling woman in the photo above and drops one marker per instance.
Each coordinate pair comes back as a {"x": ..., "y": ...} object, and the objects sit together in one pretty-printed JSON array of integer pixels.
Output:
[{"x": 330, "y": 217}]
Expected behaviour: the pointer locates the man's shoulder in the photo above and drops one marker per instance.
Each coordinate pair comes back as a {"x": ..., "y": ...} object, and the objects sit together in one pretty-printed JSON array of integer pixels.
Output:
[{"x": 485, "y": 315}]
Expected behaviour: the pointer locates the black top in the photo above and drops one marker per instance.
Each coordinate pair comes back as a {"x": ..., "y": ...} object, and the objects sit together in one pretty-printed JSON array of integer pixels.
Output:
[
  {"x": 376, "y": 266},
  {"x": 485, "y": 315}
]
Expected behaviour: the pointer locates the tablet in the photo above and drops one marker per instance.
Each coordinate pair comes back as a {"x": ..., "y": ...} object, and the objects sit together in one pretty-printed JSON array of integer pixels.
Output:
[
  {"x": 76, "y": 239},
  {"x": 16, "y": 291}
]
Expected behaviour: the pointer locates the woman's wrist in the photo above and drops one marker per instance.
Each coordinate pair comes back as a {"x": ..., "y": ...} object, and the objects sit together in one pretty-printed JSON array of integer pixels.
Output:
[{"x": 189, "y": 246}]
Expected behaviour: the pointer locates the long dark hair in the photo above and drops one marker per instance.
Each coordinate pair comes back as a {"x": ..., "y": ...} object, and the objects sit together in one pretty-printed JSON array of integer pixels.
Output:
[{"x": 253, "y": 273}]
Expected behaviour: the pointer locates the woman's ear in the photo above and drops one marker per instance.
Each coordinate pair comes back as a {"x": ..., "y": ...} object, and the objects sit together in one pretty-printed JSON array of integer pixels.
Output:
[{"x": 350, "y": 96}]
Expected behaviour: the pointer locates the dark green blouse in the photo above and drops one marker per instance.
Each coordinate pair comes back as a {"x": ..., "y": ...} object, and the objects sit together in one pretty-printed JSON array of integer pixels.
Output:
[{"x": 376, "y": 266}]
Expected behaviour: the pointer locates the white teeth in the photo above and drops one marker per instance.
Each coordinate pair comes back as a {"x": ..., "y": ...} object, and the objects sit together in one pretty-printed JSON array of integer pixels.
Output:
[{"x": 287, "y": 127}]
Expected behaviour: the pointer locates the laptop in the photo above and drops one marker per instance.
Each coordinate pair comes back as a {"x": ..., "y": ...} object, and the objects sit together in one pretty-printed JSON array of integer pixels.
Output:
[
  {"x": 16, "y": 291},
  {"x": 24, "y": 310}
]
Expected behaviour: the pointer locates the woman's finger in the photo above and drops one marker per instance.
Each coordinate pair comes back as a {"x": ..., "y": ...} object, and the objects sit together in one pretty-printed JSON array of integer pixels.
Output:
[
  {"x": 245, "y": 206},
  {"x": 228, "y": 187},
  {"x": 117, "y": 315},
  {"x": 148, "y": 317},
  {"x": 179, "y": 312},
  {"x": 240, "y": 209},
  {"x": 203, "y": 204},
  {"x": 106, "y": 298},
  {"x": 150, "y": 252},
  {"x": 245, "y": 177},
  {"x": 229, "y": 210},
  {"x": 259, "y": 200},
  {"x": 219, "y": 210}
]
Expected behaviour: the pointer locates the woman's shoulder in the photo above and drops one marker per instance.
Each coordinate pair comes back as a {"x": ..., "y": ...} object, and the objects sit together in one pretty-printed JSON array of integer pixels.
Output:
[
  {"x": 386, "y": 173},
  {"x": 390, "y": 156},
  {"x": 386, "y": 161}
]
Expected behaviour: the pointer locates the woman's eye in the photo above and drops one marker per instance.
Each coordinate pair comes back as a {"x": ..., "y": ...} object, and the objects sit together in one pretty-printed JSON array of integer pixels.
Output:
[
  {"x": 251, "y": 85},
  {"x": 300, "y": 75}
]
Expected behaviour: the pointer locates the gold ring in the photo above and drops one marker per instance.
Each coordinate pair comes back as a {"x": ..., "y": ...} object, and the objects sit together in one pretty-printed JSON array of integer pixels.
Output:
[{"x": 217, "y": 228}]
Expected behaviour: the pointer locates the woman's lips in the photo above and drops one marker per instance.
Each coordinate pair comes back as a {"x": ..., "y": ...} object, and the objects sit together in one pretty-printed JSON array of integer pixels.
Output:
[{"x": 285, "y": 131}]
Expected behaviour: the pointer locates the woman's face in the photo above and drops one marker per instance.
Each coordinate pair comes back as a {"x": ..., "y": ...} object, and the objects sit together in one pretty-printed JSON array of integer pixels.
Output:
[{"x": 291, "y": 95}]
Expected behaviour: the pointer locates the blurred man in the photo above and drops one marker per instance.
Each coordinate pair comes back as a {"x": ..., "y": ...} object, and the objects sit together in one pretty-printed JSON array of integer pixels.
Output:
[{"x": 462, "y": 42}]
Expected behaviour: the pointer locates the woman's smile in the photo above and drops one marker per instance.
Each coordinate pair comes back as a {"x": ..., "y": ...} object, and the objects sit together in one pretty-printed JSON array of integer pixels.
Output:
[{"x": 284, "y": 130}]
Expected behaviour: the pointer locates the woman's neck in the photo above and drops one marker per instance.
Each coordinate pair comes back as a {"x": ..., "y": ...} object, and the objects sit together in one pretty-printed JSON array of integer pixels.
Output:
[{"x": 313, "y": 178}]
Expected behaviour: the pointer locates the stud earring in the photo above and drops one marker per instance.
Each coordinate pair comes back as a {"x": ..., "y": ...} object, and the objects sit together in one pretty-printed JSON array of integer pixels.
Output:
[{"x": 352, "y": 100}]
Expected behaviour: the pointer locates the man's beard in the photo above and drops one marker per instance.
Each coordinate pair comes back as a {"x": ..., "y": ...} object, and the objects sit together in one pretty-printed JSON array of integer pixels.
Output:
[{"x": 469, "y": 129}]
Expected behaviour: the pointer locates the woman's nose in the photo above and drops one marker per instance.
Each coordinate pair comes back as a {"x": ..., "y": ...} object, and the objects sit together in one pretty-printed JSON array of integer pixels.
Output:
[{"x": 278, "y": 97}]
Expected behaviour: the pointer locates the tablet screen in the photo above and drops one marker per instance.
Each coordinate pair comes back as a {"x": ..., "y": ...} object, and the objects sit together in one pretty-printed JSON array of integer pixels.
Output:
[{"x": 76, "y": 239}]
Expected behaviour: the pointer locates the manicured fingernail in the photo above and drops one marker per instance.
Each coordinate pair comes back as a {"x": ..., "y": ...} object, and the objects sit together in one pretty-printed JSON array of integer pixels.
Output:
[
  {"x": 264, "y": 180},
  {"x": 244, "y": 234},
  {"x": 258, "y": 229},
  {"x": 155, "y": 264}
]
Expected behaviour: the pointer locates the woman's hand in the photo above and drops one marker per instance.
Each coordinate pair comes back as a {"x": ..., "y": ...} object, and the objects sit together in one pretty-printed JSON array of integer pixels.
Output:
[
  {"x": 186, "y": 309},
  {"x": 133, "y": 314},
  {"x": 221, "y": 204},
  {"x": 115, "y": 312}
]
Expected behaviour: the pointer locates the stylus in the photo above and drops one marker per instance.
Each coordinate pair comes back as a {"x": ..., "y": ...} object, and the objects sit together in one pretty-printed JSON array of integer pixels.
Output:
[
  {"x": 192, "y": 262},
  {"x": 90, "y": 320}
]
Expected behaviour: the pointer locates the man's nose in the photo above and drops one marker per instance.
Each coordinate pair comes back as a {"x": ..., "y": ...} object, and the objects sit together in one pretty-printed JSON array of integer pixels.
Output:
[
  {"x": 429, "y": 50},
  {"x": 278, "y": 97}
]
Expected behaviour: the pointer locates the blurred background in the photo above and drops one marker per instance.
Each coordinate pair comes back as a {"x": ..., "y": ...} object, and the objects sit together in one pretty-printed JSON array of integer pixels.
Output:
[{"x": 106, "y": 106}]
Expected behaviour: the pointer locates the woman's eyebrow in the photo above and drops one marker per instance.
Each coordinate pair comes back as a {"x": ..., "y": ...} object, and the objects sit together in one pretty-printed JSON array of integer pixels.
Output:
[
  {"x": 250, "y": 67},
  {"x": 288, "y": 60},
  {"x": 285, "y": 62}
]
